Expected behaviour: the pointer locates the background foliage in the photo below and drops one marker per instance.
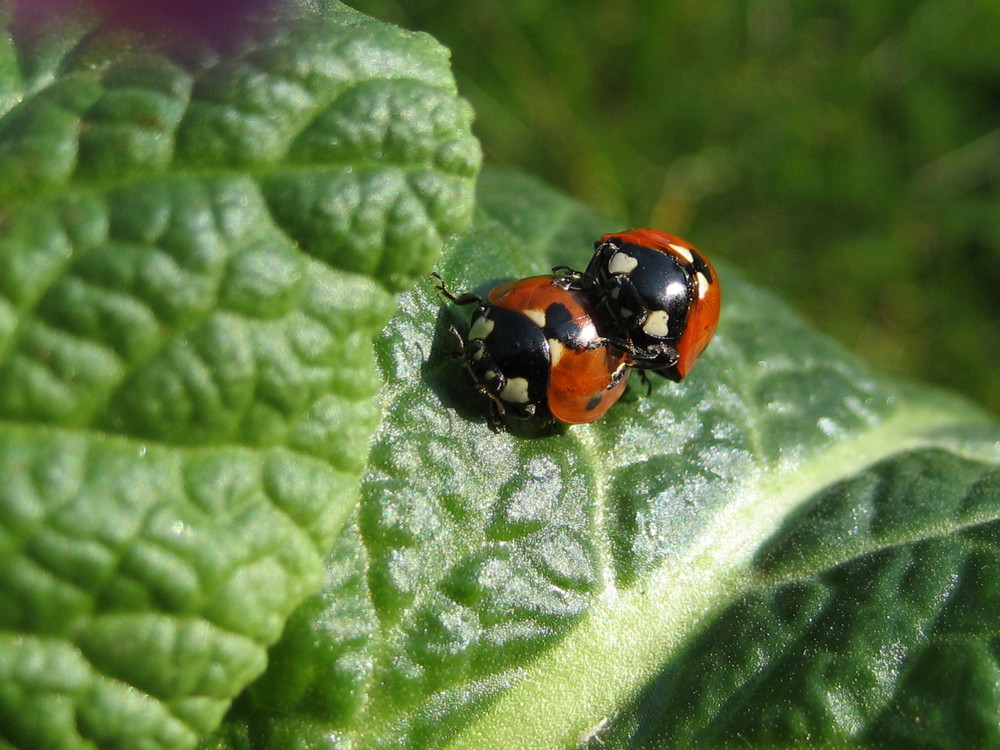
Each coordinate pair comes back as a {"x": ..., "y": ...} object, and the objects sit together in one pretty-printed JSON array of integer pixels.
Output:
[{"x": 846, "y": 154}]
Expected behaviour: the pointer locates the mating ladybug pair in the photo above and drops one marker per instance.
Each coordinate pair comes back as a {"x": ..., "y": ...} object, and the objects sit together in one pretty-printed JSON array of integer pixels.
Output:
[{"x": 563, "y": 346}]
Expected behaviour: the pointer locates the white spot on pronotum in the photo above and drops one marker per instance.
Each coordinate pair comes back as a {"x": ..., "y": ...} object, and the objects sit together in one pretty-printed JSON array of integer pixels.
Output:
[
  {"x": 622, "y": 263},
  {"x": 682, "y": 251},
  {"x": 556, "y": 350},
  {"x": 490, "y": 374},
  {"x": 616, "y": 292},
  {"x": 535, "y": 316},
  {"x": 703, "y": 284},
  {"x": 657, "y": 323},
  {"x": 626, "y": 313},
  {"x": 477, "y": 355},
  {"x": 516, "y": 391},
  {"x": 482, "y": 328}
]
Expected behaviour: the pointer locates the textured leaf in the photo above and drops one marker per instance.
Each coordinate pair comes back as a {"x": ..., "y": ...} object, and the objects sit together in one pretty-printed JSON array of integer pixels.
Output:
[
  {"x": 782, "y": 548},
  {"x": 194, "y": 259}
]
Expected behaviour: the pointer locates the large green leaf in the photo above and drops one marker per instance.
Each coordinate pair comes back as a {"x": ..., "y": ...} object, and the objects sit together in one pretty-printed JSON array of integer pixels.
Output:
[
  {"x": 782, "y": 548},
  {"x": 194, "y": 259}
]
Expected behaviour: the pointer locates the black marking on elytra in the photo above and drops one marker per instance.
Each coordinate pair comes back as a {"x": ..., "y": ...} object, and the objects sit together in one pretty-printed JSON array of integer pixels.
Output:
[
  {"x": 560, "y": 325},
  {"x": 556, "y": 315},
  {"x": 595, "y": 401}
]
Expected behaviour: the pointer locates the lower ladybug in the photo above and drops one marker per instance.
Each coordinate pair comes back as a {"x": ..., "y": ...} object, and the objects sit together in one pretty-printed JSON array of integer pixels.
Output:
[
  {"x": 535, "y": 351},
  {"x": 659, "y": 296}
]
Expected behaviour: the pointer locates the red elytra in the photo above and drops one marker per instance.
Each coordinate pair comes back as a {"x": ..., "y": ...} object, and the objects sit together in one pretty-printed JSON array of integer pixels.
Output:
[{"x": 587, "y": 376}]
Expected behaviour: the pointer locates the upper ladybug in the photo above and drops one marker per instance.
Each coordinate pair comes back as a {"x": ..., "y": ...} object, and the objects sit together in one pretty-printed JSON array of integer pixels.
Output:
[{"x": 658, "y": 296}]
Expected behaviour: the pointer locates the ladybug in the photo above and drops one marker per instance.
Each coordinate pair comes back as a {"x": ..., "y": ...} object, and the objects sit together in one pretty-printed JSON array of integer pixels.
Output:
[
  {"x": 533, "y": 348},
  {"x": 659, "y": 296}
]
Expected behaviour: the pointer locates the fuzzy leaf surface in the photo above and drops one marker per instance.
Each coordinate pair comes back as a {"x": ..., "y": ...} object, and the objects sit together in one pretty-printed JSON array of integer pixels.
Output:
[{"x": 195, "y": 255}]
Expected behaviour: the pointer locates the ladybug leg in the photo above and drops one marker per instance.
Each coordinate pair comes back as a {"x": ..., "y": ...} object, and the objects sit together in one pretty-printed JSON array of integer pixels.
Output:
[
  {"x": 636, "y": 356},
  {"x": 497, "y": 409},
  {"x": 461, "y": 299},
  {"x": 566, "y": 271},
  {"x": 570, "y": 278},
  {"x": 668, "y": 355},
  {"x": 460, "y": 352},
  {"x": 646, "y": 381},
  {"x": 617, "y": 375},
  {"x": 664, "y": 354}
]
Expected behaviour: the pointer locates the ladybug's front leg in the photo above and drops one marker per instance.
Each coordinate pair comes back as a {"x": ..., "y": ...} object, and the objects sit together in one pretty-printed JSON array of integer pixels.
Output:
[
  {"x": 619, "y": 374},
  {"x": 461, "y": 299},
  {"x": 662, "y": 355},
  {"x": 570, "y": 278}
]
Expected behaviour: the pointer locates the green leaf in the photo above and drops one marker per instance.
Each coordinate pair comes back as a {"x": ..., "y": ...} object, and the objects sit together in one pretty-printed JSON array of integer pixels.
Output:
[
  {"x": 782, "y": 548},
  {"x": 195, "y": 255}
]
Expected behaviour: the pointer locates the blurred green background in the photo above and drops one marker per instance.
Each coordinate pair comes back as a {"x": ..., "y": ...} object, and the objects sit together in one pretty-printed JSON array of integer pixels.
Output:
[{"x": 845, "y": 154}]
